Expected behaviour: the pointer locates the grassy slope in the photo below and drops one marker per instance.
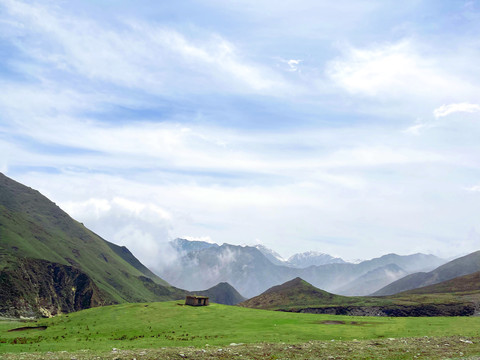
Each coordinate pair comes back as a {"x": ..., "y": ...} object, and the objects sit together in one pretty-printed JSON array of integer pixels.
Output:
[
  {"x": 133, "y": 326},
  {"x": 33, "y": 226}
]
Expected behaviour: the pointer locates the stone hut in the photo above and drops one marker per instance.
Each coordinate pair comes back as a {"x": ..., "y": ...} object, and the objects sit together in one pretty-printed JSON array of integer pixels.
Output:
[{"x": 194, "y": 300}]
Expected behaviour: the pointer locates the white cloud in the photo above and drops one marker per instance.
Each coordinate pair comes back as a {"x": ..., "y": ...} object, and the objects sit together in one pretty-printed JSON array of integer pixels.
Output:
[
  {"x": 143, "y": 227},
  {"x": 446, "y": 110},
  {"x": 397, "y": 70},
  {"x": 416, "y": 129},
  {"x": 96, "y": 208}
]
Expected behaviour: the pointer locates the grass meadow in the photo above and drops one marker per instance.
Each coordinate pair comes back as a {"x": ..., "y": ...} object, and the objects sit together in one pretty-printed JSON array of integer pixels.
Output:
[{"x": 171, "y": 325}]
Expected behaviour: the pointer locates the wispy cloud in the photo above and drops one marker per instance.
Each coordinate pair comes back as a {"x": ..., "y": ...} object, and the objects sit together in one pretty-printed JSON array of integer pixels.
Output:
[
  {"x": 446, "y": 110},
  {"x": 134, "y": 54}
]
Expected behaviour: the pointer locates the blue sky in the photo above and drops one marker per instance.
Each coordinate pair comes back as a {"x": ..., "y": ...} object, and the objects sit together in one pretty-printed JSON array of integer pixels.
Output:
[{"x": 348, "y": 127}]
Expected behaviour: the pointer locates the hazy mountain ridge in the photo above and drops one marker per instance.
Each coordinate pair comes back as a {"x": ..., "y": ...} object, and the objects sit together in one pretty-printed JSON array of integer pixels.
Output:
[
  {"x": 245, "y": 268},
  {"x": 373, "y": 279},
  {"x": 299, "y": 260},
  {"x": 462, "y": 266},
  {"x": 251, "y": 272}
]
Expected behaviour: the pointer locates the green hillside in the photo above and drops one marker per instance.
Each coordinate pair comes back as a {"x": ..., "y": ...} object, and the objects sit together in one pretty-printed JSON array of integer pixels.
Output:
[{"x": 31, "y": 226}]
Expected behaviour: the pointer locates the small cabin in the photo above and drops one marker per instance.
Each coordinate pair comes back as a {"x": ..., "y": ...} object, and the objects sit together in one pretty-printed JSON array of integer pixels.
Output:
[{"x": 196, "y": 300}]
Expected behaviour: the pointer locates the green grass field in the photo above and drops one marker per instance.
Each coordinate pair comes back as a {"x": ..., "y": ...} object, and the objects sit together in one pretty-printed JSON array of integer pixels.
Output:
[{"x": 170, "y": 324}]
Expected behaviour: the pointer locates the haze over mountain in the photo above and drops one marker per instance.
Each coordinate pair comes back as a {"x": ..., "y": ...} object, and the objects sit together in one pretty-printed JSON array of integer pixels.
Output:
[
  {"x": 462, "y": 266},
  {"x": 365, "y": 284},
  {"x": 251, "y": 272}
]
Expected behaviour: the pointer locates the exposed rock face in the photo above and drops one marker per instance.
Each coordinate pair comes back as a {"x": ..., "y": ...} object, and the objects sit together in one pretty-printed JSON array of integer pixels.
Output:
[
  {"x": 33, "y": 287},
  {"x": 397, "y": 310}
]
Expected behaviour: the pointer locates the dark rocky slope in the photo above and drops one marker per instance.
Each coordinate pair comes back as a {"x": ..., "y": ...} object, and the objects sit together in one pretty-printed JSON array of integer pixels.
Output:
[{"x": 33, "y": 287}]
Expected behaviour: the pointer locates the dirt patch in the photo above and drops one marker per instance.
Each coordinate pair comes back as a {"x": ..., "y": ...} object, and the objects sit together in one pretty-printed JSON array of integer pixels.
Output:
[
  {"x": 361, "y": 323},
  {"x": 28, "y": 328},
  {"x": 332, "y": 322}
]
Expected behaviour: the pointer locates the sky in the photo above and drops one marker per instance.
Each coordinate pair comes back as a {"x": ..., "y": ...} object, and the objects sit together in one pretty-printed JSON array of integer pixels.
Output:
[{"x": 345, "y": 127}]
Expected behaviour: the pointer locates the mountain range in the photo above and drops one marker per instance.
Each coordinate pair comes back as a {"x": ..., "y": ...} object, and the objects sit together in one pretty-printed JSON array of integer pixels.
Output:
[{"x": 251, "y": 270}]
